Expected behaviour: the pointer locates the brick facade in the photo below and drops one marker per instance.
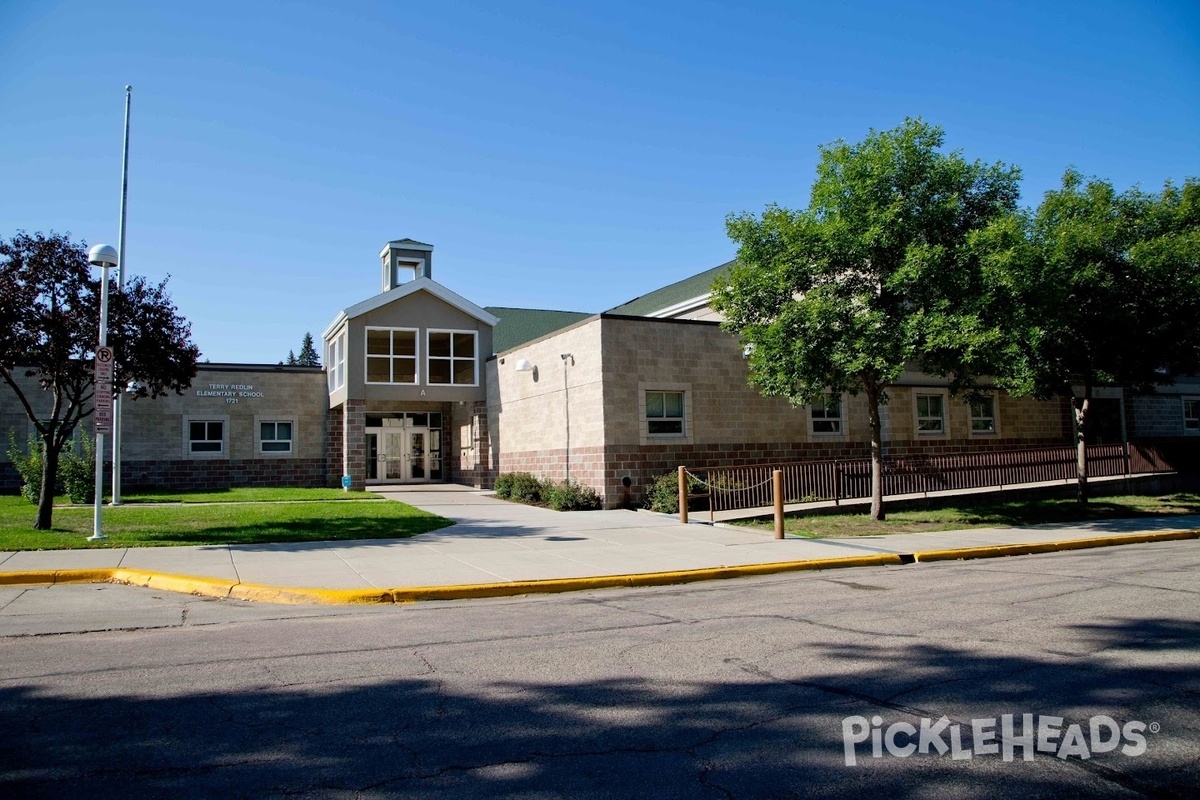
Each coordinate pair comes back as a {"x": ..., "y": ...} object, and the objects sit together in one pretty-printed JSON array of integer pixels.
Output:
[{"x": 354, "y": 443}]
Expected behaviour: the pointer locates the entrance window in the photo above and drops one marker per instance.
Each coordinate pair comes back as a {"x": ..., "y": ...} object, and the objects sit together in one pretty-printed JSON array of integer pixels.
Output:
[
  {"x": 391, "y": 355},
  {"x": 1191, "y": 415},
  {"x": 452, "y": 358}
]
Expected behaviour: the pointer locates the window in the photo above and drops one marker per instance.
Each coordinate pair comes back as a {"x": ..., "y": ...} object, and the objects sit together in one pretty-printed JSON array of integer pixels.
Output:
[
  {"x": 1191, "y": 415},
  {"x": 275, "y": 437},
  {"x": 206, "y": 436},
  {"x": 827, "y": 415},
  {"x": 391, "y": 355},
  {"x": 664, "y": 413},
  {"x": 452, "y": 358},
  {"x": 983, "y": 415},
  {"x": 931, "y": 413},
  {"x": 335, "y": 362}
]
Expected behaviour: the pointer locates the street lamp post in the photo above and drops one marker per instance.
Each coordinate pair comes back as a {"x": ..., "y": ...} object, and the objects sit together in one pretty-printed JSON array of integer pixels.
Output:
[{"x": 103, "y": 256}]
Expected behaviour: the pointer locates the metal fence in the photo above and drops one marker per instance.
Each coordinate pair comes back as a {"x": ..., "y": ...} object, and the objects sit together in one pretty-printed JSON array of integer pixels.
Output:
[{"x": 729, "y": 488}]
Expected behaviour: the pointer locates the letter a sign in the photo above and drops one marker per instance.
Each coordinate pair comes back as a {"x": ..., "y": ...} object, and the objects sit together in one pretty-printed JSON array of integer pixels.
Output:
[{"x": 103, "y": 400}]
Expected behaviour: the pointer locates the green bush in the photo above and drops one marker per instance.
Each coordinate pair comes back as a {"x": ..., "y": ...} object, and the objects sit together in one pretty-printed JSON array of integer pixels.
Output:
[
  {"x": 504, "y": 485},
  {"x": 28, "y": 463},
  {"x": 520, "y": 487},
  {"x": 527, "y": 488},
  {"x": 77, "y": 469},
  {"x": 663, "y": 494},
  {"x": 571, "y": 496}
]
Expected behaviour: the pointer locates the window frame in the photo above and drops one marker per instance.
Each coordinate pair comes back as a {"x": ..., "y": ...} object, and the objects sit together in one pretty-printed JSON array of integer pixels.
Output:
[
  {"x": 452, "y": 358},
  {"x": 188, "y": 441},
  {"x": 391, "y": 357},
  {"x": 943, "y": 430},
  {"x": 839, "y": 421},
  {"x": 681, "y": 418},
  {"x": 972, "y": 417},
  {"x": 1193, "y": 430},
  {"x": 259, "y": 441},
  {"x": 335, "y": 361}
]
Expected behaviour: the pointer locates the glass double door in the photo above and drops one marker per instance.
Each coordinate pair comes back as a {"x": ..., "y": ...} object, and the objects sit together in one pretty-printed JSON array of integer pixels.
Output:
[{"x": 397, "y": 455}]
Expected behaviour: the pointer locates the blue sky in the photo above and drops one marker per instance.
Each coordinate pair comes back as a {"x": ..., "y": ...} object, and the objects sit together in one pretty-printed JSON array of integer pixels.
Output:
[{"x": 558, "y": 155}]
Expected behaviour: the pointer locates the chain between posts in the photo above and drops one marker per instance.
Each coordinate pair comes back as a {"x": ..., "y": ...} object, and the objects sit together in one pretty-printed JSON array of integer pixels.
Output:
[{"x": 776, "y": 480}]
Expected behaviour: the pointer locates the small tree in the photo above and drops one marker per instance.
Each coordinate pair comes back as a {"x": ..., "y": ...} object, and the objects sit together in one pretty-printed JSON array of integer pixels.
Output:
[
  {"x": 873, "y": 276},
  {"x": 49, "y": 327},
  {"x": 308, "y": 353},
  {"x": 1097, "y": 288}
]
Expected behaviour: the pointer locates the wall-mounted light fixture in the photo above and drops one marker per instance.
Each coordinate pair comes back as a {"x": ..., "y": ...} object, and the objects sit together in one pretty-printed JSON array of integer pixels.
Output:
[{"x": 523, "y": 365}]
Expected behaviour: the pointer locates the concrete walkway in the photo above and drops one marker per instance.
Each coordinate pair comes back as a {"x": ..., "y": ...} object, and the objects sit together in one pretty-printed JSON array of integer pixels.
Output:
[{"x": 494, "y": 541}]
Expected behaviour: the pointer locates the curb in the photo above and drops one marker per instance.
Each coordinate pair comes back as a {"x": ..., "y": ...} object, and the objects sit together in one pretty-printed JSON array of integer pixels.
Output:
[{"x": 215, "y": 587}]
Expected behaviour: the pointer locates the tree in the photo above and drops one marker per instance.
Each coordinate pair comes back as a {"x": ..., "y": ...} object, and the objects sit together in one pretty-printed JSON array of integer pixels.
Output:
[
  {"x": 49, "y": 329},
  {"x": 291, "y": 359},
  {"x": 1098, "y": 288},
  {"x": 874, "y": 275},
  {"x": 308, "y": 353}
]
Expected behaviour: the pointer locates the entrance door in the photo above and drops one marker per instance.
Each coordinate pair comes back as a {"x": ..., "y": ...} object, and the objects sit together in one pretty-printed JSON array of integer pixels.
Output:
[
  {"x": 398, "y": 455},
  {"x": 417, "y": 455}
]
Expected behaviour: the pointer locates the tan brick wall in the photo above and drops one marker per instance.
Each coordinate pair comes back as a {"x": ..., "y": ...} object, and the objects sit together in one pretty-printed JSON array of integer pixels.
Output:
[{"x": 530, "y": 416}]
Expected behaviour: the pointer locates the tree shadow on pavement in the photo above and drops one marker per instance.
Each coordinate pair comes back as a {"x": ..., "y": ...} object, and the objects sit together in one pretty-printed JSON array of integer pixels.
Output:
[{"x": 770, "y": 728}]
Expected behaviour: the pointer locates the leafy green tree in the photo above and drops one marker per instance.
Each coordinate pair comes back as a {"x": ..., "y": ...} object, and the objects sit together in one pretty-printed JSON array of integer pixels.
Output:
[
  {"x": 1097, "y": 288},
  {"x": 291, "y": 359},
  {"x": 49, "y": 329},
  {"x": 875, "y": 275},
  {"x": 308, "y": 353}
]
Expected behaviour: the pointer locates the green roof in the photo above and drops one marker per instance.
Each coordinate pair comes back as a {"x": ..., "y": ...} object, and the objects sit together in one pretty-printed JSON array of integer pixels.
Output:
[
  {"x": 520, "y": 325},
  {"x": 678, "y": 292}
]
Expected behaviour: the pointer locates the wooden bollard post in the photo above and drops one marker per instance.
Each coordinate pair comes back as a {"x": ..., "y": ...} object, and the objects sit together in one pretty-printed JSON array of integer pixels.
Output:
[
  {"x": 777, "y": 490},
  {"x": 683, "y": 495}
]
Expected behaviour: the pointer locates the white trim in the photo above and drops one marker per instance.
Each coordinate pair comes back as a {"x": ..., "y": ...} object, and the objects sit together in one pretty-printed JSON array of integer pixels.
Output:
[
  {"x": 397, "y": 245},
  {"x": 421, "y": 285},
  {"x": 338, "y": 321},
  {"x": 416, "y": 332},
  {"x": 452, "y": 358},
  {"x": 687, "y": 305}
]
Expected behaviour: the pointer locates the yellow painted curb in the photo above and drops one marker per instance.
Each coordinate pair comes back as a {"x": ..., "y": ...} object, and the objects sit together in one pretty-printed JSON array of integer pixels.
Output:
[
  {"x": 216, "y": 587},
  {"x": 1029, "y": 548}
]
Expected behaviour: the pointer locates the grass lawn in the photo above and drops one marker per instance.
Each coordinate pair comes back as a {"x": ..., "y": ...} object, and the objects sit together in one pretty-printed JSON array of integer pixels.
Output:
[
  {"x": 239, "y": 516},
  {"x": 991, "y": 515}
]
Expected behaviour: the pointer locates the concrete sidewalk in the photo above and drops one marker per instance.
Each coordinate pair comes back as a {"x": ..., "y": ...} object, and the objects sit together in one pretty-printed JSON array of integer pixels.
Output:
[{"x": 494, "y": 542}]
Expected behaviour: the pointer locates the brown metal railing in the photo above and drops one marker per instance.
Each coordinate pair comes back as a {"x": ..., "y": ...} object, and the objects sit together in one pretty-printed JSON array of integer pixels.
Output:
[{"x": 730, "y": 488}]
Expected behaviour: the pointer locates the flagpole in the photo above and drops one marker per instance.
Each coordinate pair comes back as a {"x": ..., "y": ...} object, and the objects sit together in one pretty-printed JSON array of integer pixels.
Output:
[{"x": 116, "y": 437}]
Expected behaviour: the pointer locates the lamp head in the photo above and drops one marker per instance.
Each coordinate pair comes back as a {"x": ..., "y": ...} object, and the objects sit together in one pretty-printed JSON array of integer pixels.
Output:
[
  {"x": 523, "y": 365},
  {"x": 102, "y": 255}
]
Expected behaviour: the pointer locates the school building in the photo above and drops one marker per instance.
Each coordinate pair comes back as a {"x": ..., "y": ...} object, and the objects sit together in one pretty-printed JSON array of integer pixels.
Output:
[{"x": 420, "y": 385}]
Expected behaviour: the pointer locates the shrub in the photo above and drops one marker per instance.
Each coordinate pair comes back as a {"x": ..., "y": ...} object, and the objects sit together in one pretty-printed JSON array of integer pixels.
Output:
[
  {"x": 571, "y": 496},
  {"x": 77, "y": 469},
  {"x": 527, "y": 488},
  {"x": 28, "y": 463},
  {"x": 504, "y": 485},
  {"x": 663, "y": 494}
]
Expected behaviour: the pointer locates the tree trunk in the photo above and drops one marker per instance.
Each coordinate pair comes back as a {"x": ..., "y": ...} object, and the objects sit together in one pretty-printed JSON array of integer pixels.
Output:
[
  {"x": 45, "y": 510},
  {"x": 1081, "y": 406},
  {"x": 877, "y": 512}
]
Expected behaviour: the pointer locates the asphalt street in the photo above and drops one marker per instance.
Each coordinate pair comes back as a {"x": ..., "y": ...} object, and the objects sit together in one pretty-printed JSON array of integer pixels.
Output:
[{"x": 757, "y": 687}]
